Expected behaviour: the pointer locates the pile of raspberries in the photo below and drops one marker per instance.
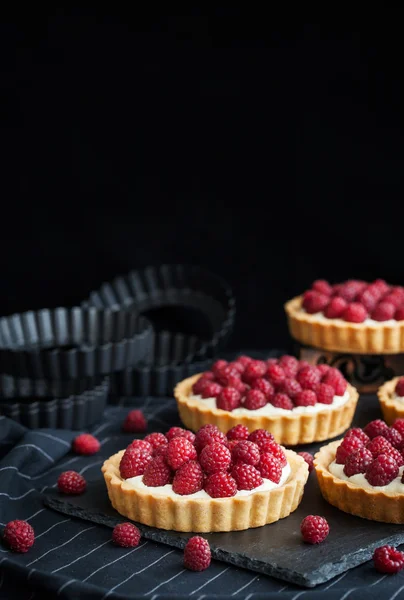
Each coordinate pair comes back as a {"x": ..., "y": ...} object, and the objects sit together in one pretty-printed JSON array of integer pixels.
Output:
[
  {"x": 355, "y": 301},
  {"x": 284, "y": 382},
  {"x": 210, "y": 460}
]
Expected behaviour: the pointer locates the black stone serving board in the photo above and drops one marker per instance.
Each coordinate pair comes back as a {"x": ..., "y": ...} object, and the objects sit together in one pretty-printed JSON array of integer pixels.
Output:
[{"x": 275, "y": 549}]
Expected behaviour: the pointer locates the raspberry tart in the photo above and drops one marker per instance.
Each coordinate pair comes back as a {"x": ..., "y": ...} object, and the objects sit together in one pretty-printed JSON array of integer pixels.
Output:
[
  {"x": 206, "y": 482},
  {"x": 391, "y": 398},
  {"x": 362, "y": 474},
  {"x": 299, "y": 403},
  {"x": 354, "y": 316}
]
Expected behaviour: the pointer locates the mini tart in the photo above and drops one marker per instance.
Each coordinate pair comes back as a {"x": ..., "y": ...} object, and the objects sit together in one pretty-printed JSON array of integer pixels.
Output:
[
  {"x": 342, "y": 336},
  {"x": 289, "y": 430},
  {"x": 203, "y": 515},
  {"x": 350, "y": 498},
  {"x": 391, "y": 408}
]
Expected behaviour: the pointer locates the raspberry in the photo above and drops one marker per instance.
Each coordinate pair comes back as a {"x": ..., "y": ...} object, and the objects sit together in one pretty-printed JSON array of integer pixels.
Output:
[
  {"x": 188, "y": 479},
  {"x": 276, "y": 375},
  {"x": 335, "y": 308},
  {"x": 238, "y": 432},
  {"x": 174, "y": 432},
  {"x": 220, "y": 485},
  {"x": 254, "y": 370},
  {"x": 382, "y": 470},
  {"x": 215, "y": 457},
  {"x": 399, "y": 425},
  {"x": 303, "y": 364},
  {"x": 355, "y": 313},
  {"x": 375, "y": 428},
  {"x": 239, "y": 366},
  {"x": 126, "y": 535},
  {"x": 396, "y": 455},
  {"x": 291, "y": 388},
  {"x": 156, "y": 439},
  {"x": 305, "y": 398},
  {"x": 309, "y": 459},
  {"x": 323, "y": 369},
  {"x": 264, "y": 386},
  {"x": 228, "y": 399},
  {"x": 335, "y": 379},
  {"x": 270, "y": 467},
  {"x": 381, "y": 286},
  {"x": 383, "y": 311},
  {"x": 358, "y": 462},
  {"x": 400, "y": 387},
  {"x": 179, "y": 452},
  {"x": 244, "y": 360},
  {"x": 134, "y": 422},
  {"x": 314, "y": 302},
  {"x": 347, "y": 446},
  {"x": 375, "y": 291},
  {"x": 282, "y": 401},
  {"x": 246, "y": 452},
  {"x": 211, "y": 390},
  {"x": 325, "y": 393},
  {"x": 200, "y": 385},
  {"x": 237, "y": 384},
  {"x": 314, "y": 529},
  {"x": 142, "y": 445},
  {"x": 388, "y": 559},
  {"x": 86, "y": 444},
  {"x": 394, "y": 437},
  {"x": 134, "y": 462},
  {"x": 309, "y": 378},
  {"x": 247, "y": 477},
  {"x": 290, "y": 365},
  {"x": 218, "y": 366},
  {"x": 267, "y": 445},
  {"x": 358, "y": 432},
  {"x": 208, "y": 375},
  {"x": 254, "y": 399},
  {"x": 379, "y": 445},
  {"x": 271, "y": 361},
  {"x": 207, "y": 435},
  {"x": 72, "y": 483},
  {"x": 227, "y": 374},
  {"x": 322, "y": 286},
  {"x": 232, "y": 444},
  {"x": 395, "y": 299},
  {"x": 367, "y": 299},
  {"x": 197, "y": 555},
  {"x": 161, "y": 451},
  {"x": 19, "y": 536},
  {"x": 350, "y": 289},
  {"x": 157, "y": 472},
  {"x": 399, "y": 314},
  {"x": 260, "y": 434}
]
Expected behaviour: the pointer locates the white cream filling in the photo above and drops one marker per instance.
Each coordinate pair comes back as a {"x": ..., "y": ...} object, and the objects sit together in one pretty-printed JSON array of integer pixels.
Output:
[
  {"x": 393, "y": 487},
  {"x": 398, "y": 398},
  {"x": 167, "y": 490},
  {"x": 269, "y": 409},
  {"x": 321, "y": 317}
]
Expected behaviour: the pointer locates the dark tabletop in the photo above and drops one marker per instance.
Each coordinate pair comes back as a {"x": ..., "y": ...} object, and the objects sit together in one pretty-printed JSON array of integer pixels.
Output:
[{"x": 75, "y": 559}]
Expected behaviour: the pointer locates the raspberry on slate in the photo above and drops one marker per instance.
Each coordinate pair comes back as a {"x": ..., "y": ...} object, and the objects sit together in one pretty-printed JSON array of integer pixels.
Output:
[
  {"x": 358, "y": 462},
  {"x": 199, "y": 385},
  {"x": 355, "y": 313},
  {"x": 247, "y": 477},
  {"x": 264, "y": 386},
  {"x": 156, "y": 439},
  {"x": 180, "y": 451},
  {"x": 71, "y": 483},
  {"x": 335, "y": 308},
  {"x": 282, "y": 401},
  {"x": 290, "y": 365},
  {"x": 254, "y": 399},
  {"x": 238, "y": 432},
  {"x": 228, "y": 399},
  {"x": 309, "y": 378},
  {"x": 215, "y": 457},
  {"x": 347, "y": 446},
  {"x": 142, "y": 445},
  {"x": 382, "y": 470},
  {"x": 314, "y": 302},
  {"x": 375, "y": 428},
  {"x": 174, "y": 432},
  {"x": 211, "y": 390},
  {"x": 399, "y": 425},
  {"x": 126, "y": 535},
  {"x": 19, "y": 536},
  {"x": 276, "y": 374},
  {"x": 322, "y": 286},
  {"x": 188, "y": 479},
  {"x": 208, "y": 434},
  {"x": 246, "y": 452},
  {"x": 270, "y": 467},
  {"x": 272, "y": 447},
  {"x": 290, "y": 387},
  {"x": 86, "y": 444},
  {"x": 314, "y": 529},
  {"x": 134, "y": 462},
  {"x": 220, "y": 485},
  {"x": 309, "y": 458},
  {"x": 135, "y": 422},
  {"x": 197, "y": 554},
  {"x": 358, "y": 432},
  {"x": 260, "y": 434},
  {"x": 400, "y": 387},
  {"x": 157, "y": 472},
  {"x": 388, "y": 559},
  {"x": 384, "y": 311},
  {"x": 394, "y": 437},
  {"x": 305, "y": 398},
  {"x": 325, "y": 393},
  {"x": 378, "y": 445},
  {"x": 254, "y": 370}
]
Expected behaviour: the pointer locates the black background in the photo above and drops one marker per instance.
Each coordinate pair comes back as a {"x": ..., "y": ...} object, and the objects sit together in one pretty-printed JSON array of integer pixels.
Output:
[{"x": 270, "y": 152}]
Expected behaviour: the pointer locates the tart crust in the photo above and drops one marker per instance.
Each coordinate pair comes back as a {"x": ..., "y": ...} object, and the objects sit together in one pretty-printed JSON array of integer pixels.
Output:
[
  {"x": 204, "y": 515},
  {"x": 392, "y": 409},
  {"x": 362, "y": 502},
  {"x": 301, "y": 428},
  {"x": 341, "y": 336}
]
